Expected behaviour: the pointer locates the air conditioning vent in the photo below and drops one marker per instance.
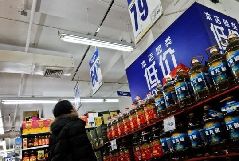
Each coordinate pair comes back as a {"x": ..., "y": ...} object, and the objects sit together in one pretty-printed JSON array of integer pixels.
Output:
[{"x": 56, "y": 73}]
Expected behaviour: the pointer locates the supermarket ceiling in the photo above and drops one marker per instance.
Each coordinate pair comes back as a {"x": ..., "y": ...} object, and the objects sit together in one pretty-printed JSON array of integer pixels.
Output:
[{"x": 74, "y": 16}]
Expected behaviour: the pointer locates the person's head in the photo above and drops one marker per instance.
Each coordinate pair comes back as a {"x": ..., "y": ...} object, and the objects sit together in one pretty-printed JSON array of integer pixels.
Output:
[{"x": 62, "y": 108}]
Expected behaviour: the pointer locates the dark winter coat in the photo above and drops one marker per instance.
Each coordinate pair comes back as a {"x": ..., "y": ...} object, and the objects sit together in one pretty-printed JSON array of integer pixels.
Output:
[{"x": 69, "y": 141}]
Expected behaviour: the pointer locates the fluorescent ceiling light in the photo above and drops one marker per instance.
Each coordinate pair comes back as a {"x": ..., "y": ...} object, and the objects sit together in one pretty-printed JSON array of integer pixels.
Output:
[
  {"x": 84, "y": 100},
  {"x": 112, "y": 100},
  {"x": 94, "y": 41},
  {"x": 19, "y": 102}
]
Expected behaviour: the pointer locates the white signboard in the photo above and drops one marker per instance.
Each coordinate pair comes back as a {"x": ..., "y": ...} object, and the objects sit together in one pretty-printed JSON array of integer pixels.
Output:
[
  {"x": 169, "y": 124},
  {"x": 95, "y": 72},
  {"x": 143, "y": 14}
]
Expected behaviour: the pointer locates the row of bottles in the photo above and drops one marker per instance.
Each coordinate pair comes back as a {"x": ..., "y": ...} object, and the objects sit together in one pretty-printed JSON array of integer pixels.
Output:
[
  {"x": 196, "y": 134},
  {"x": 200, "y": 81},
  {"x": 35, "y": 141},
  {"x": 35, "y": 155}
]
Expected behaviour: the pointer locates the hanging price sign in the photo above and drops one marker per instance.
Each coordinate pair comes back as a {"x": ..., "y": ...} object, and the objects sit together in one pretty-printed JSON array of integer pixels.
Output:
[{"x": 143, "y": 14}]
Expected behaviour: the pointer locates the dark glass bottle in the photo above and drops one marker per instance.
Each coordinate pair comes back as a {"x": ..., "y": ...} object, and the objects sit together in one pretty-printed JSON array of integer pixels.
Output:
[
  {"x": 196, "y": 134},
  {"x": 160, "y": 102},
  {"x": 232, "y": 55},
  {"x": 167, "y": 144},
  {"x": 180, "y": 139},
  {"x": 170, "y": 96},
  {"x": 146, "y": 149},
  {"x": 230, "y": 108},
  {"x": 214, "y": 128},
  {"x": 183, "y": 88},
  {"x": 157, "y": 151},
  {"x": 199, "y": 80},
  {"x": 218, "y": 69}
]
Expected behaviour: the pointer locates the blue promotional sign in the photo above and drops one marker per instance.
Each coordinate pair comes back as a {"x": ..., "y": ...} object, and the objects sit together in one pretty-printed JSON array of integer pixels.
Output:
[
  {"x": 190, "y": 35},
  {"x": 95, "y": 72},
  {"x": 122, "y": 93}
]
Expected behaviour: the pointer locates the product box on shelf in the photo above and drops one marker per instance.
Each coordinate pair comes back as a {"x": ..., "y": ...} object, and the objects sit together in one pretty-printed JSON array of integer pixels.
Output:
[{"x": 36, "y": 126}]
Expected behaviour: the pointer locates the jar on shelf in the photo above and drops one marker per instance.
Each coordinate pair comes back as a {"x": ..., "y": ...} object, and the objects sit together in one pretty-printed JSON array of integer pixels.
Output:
[
  {"x": 183, "y": 88},
  {"x": 218, "y": 69},
  {"x": 114, "y": 129},
  {"x": 150, "y": 109},
  {"x": 199, "y": 80},
  {"x": 109, "y": 131},
  {"x": 26, "y": 156},
  {"x": 133, "y": 120},
  {"x": 232, "y": 55},
  {"x": 141, "y": 115},
  {"x": 160, "y": 102},
  {"x": 170, "y": 96}
]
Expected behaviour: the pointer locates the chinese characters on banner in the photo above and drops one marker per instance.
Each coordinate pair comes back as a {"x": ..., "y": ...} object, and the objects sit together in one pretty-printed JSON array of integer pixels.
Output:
[
  {"x": 219, "y": 27},
  {"x": 95, "y": 72},
  {"x": 190, "y": 35},
  {"x": 143, "y": 14}
]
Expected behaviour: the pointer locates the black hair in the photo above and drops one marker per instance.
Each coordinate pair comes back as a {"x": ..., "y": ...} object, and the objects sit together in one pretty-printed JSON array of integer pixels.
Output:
[{"x": 62, "y": 107}]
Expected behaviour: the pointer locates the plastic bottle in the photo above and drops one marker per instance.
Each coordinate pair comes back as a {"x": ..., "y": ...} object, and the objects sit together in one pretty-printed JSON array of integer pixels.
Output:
[
  {"x": 146, "y": 149},
  {"x": 150, "y": 109},
  {"x": 215, "y": 129},
  {"x": 218, "y": 69},
  {"x": 141, "y": 113},
  {"x": 157, "y": 150},
  {"x": 183, "y": 88},
  {"x": 133, "y": 120},
  {"x": 196, "y": 134},
  {"x": 160, "y": 102},
  {"x": 230, "y": 108},
  {"x": 180, "y": 139},
  {"x": 232, "y": 55},
  {"x": 199, "y": 80},
  {"x": 170, "y": 96},
  {"x": 136, "y": 147}
]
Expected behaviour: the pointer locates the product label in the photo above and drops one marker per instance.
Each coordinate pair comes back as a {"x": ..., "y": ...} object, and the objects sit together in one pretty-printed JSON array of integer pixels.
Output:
[
  {"x": 157, "y": 149},
  {"x": 213, "y": 132},
  {"x": 180, "y": 141},
  {"x": 170, "y": 98},
  {"x": 218, "y": 71},
  {"x": 232, "y": 124},
  {"x": 198, "y": 82},
  {"x": 137, "y": 154},
  {"x": 230, "y": 107},
  {"x": 150, "y": 112},
  {"x": 233, "y": 62},
  {"x": 160, "y": 103},
  {"x": 141, "y": 117},
  {"x": 197, "y": 137},
  {"x": 146, "y": 152},
  {"x": 134, "y": 123},
  {"x": 182, "y": 90}
]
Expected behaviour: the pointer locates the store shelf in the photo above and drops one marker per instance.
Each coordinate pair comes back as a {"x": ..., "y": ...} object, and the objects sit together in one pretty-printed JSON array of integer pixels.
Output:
[
  {"x": 230, "y": 155},
  {"x": 37, "y": 147},
  {"x": 36, "y": 134},
  {"x": 186, "y": 109}
]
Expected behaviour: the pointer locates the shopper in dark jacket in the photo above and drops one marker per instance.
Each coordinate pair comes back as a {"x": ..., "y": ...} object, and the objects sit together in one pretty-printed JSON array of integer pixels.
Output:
[{"x": 69, "y": 141}]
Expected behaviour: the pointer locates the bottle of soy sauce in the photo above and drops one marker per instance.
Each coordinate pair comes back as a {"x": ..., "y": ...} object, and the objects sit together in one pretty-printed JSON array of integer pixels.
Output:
[
  {"x": 196, "y": 134},
  {"x": 160, "y": 102},
  {"x": 180, "y": 139},
  {"x": 230, "y": 108},
  {"x": 232, "y": 55},
  {"x": 157, "y": 151},
  {"x": 218, "y": 69},
  {"x": 183, "y": 88},
  {"x": 170, "y": 96},
  {"x": 215, "y": 130},
  {"x": 199, "y": 81}
]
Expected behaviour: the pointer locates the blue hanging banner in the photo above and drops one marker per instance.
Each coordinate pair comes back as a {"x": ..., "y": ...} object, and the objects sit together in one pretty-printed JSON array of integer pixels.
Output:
[
  {"x": 198, "y": 28},
  {"x": 95, "y": 72},
  {"x": 122, "y": 93}
]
